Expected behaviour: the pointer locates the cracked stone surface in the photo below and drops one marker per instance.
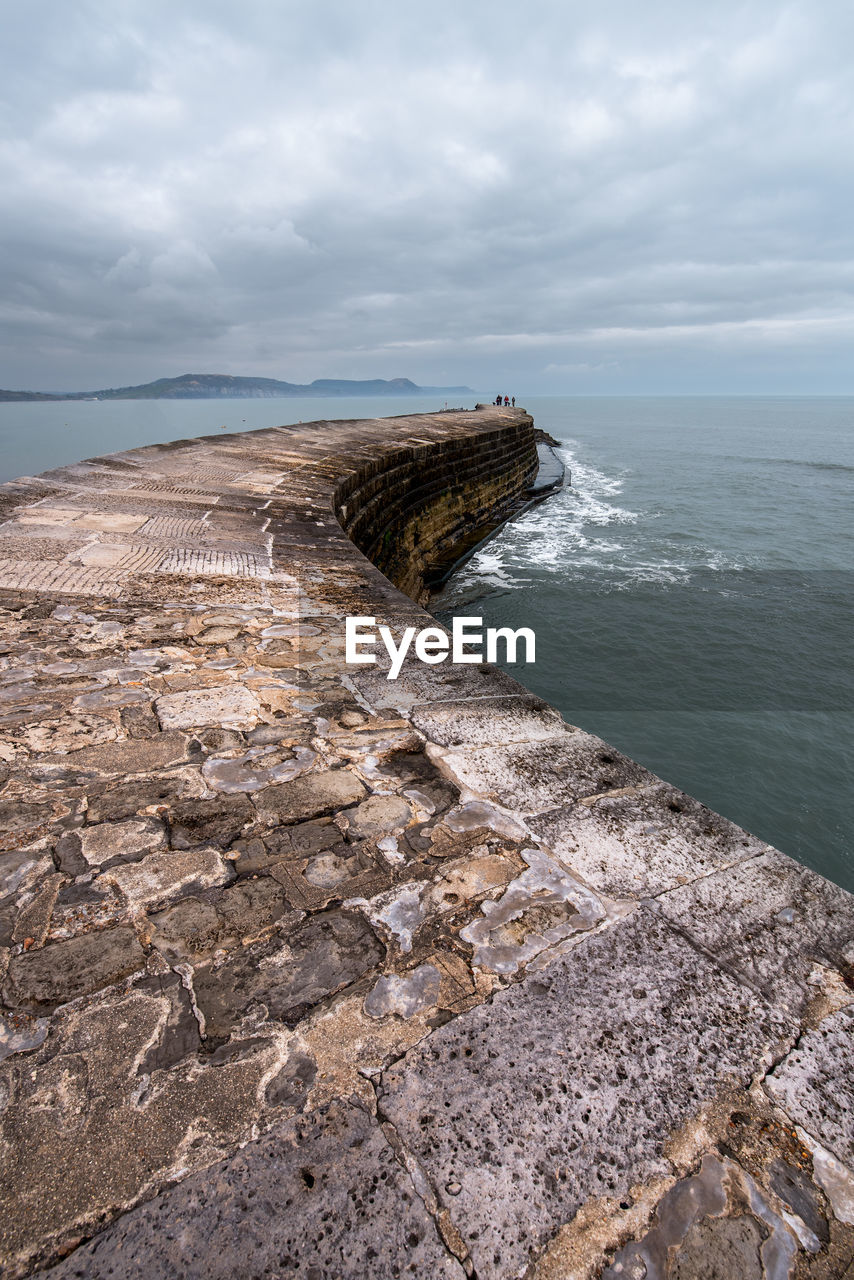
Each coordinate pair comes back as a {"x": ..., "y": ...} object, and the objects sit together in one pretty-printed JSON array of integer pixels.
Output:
[
  {"x": 568, "y": 1085},
  {"x": 321, "y": 1196},
  {"x": 787, "y": 930},
  {"x": 304, "y": 971},
  {"x": 815, "y": 1084}
]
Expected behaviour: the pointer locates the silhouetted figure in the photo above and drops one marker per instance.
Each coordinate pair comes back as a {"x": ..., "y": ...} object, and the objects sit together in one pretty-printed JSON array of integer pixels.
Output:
[
  {"x": 498, "y": 399},
  {"x": 513, "y": 401}
]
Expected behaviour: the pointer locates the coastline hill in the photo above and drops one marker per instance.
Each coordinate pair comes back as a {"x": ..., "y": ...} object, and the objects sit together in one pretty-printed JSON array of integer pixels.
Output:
[{"x": 209, "y": 386}]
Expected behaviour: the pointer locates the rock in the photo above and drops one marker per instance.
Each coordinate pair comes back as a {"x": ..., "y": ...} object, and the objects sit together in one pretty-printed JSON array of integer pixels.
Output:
[
  {"x": 33, "y": 920},
  {"x": 405, "y": 994},
  {"x": 249, "y": 856},
  {"x": 231, "y": 707},
  {"x": 312, "y": 795},
  {"x": 568, "y": 1084},
  {"x": 129, "y": 798},
  {"x": 135, "y": 755},
  {"x": 815, "y": 1084},
  {"x": 217, "y": 821},
  {"x": 328, "y": 1199},
  {"x": 218, "y": 635},
  {"x": 76, "y": 967},
  {"x": 378, "y": 815},
  {"x": 328, "y": 951},
  {"x": 189, "y": 929},
  {"x": 246, "y": 909},
  {"x": 162, "y": 876},
  {"x": 109, "y": 840},
  {"x": 22, "y": 868}
]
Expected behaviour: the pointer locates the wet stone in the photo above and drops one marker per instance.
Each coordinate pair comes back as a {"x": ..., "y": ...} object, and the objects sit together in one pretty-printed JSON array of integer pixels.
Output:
[
  {"x": 75, "y": 967},
  {"x": 323, "y": 954},
  {"x": 568, "y": 1084},
  {"x": 329, "y": 1201}
]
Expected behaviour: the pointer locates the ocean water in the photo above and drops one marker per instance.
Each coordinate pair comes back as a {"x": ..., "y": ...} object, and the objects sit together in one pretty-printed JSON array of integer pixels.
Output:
[
  {"x": 691, "y": 594},
  {"x": 691, "y": 591},
  {"x": 42, "y": 434}
]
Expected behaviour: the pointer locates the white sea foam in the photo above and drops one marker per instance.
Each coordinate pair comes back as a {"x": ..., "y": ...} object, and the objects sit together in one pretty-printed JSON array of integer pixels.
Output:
[{"x": 572, "y": 535}]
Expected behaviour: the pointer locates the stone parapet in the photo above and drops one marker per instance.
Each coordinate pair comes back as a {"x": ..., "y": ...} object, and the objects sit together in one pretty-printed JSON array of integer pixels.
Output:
[{"x": 307, "y": 972}]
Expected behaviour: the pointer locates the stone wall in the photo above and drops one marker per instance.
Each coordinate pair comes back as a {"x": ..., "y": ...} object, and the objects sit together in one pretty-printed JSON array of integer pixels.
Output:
[
  {"x": 410, "y": 509},
  {"x": 309, "y": 973}
]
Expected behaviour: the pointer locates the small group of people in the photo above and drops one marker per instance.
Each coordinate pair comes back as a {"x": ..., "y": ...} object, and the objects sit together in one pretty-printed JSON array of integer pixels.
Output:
[{"x": 506, "y": 400}]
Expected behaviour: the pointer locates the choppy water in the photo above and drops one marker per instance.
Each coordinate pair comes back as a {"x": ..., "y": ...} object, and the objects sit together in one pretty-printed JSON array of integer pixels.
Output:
[
  {"x": 692, "y": 599},
  {"x": 691, "y": 592}
]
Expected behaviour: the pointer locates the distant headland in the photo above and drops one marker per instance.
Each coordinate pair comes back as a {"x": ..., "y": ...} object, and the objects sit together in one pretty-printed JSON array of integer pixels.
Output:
[{"x": 210, "y": 386}]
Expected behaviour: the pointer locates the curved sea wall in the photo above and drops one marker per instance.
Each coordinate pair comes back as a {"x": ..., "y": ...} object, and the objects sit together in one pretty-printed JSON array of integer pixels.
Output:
[{"x": 308, "y": 972}]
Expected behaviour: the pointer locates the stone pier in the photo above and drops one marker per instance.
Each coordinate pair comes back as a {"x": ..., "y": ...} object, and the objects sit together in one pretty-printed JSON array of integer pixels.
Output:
[{"x": 309, "y": 973}]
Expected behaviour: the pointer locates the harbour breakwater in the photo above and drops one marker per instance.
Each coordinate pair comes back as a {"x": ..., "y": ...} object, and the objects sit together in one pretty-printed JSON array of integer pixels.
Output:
[{"x": 306, "y": 972}]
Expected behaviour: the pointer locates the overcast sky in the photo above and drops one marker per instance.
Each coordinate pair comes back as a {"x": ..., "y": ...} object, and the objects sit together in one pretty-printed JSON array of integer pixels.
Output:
[{"x": 542, "y": 197}]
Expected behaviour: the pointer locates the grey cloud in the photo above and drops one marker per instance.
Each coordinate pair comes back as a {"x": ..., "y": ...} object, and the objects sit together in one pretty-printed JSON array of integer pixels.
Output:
[{"x": 571, "y": 196}]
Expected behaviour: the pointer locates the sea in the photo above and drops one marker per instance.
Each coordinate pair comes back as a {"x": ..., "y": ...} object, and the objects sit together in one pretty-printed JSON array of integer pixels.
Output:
[{"x": 690, "y": 587}]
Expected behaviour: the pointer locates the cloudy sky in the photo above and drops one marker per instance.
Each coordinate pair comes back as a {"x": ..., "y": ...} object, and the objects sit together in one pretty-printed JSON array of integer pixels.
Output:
[{"x": 552, "y": 196}]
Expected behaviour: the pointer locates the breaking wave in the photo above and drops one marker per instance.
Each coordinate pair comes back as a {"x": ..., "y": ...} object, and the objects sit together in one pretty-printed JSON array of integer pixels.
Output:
[{"x": 582, "y": 532}]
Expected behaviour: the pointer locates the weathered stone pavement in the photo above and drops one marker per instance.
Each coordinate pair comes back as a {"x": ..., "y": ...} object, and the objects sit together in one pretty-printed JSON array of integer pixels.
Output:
[{"x": 309, "y": 973}]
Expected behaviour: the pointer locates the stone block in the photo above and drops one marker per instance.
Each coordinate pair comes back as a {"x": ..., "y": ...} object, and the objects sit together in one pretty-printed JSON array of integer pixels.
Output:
[
  {"x": 161, "y": 877},
  {"x": 443, "y": 683},
  {"x": 312, "y": 795},
  {"x": 377, "y": 816},
  {"x": 814, "y": 1084},
  {"x": 781, "y": 926},
  {"x": 227, "y": 706},
  {"x": 541, "y": 776},
  {"x": 322, "y": 955},
  {"x": 135, "y": 755},
  {"x": 108, "y": 840},
  {"x": 322, "y": 1197},
  {"x": 112, "y": 804},
  {"x": 217, "y": 821},
  {"x": 246, "y": 909},
  {"x": 488, "y": 721},
  {"x": 569, "y": 1085},
  {"x": 185, "y": 931},
  {"x": 644, "y": 841},
  {"x": 74, "y": 967}
]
